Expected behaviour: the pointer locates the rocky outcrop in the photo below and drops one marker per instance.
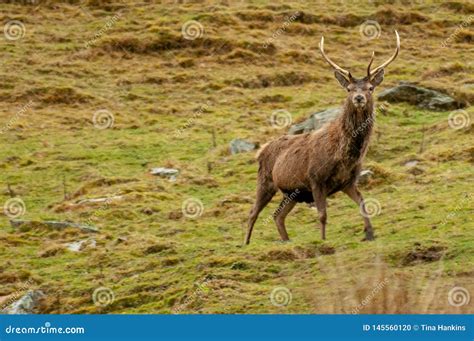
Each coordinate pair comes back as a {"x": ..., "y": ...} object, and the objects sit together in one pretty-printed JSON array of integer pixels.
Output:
[
  {"x": 315, "y": 121},
  {"x": 421, "y": 97}
]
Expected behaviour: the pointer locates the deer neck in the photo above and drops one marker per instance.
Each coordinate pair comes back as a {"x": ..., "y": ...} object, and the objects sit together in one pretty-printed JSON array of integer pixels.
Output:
[{"x": 356, "y": 126}]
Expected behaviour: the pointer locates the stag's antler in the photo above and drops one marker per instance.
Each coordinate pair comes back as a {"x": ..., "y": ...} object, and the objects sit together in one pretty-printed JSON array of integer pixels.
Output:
[
  {"x": 370, "y": 64},
  {"x": 330, "y": 62},
  {"x": 391, "y": 59}
]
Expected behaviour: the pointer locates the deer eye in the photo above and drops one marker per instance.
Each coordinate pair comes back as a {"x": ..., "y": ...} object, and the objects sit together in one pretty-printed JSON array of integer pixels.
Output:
[{"x": 371, "y": 89}]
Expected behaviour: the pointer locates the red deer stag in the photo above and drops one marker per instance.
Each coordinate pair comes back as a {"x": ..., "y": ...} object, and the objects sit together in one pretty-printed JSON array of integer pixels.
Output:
[{"x": 312, "y": 166}]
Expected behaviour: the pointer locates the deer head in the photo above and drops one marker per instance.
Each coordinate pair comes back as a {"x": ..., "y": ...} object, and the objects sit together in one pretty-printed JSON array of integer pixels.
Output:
[{"x": 360, "y": 90}]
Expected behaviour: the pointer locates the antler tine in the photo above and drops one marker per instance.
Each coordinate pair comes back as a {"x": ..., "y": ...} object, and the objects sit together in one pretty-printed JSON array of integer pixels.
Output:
[
  {"x": 370, "y": 64},
  {"x": 330, "y": 62},
  {"x": 391, "y": 59}
]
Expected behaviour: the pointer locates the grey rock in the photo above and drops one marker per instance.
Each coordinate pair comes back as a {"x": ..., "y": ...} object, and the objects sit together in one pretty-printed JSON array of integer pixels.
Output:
[
  {"x": 99, "y": 200},
  {"x": 58, "y": 225},
  {"x": 169, "y": 173},
  {"x": 241, "y": 146},
  {"x": 315, "y": 121},
  {"x": 468, "y": 86},
  {"x": 421, "y": 97},
  {"x": 81, "y": 244},
  {"x": 26, "y": 304},
  {"x": 364, "y": 176},
  {"x": 411, "y": 163}
]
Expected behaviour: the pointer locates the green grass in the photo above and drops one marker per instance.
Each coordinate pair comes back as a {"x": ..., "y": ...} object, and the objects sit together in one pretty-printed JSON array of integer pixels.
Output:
[{"x": 151, "y": 96}]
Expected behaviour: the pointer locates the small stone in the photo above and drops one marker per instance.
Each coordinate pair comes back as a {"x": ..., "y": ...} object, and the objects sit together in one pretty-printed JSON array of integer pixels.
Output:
[
  {"x": 241, "y": 146},
  {"x": 364, "y": 176},
  {"x": 99, "y": 200},
  {"x": 81, "y": 244},
  {"x": 58, "y": 225},
  {"x": 169, "y": 173},
  {"x": 411, "y": 163},
  {"x": 26, "y": 304}
]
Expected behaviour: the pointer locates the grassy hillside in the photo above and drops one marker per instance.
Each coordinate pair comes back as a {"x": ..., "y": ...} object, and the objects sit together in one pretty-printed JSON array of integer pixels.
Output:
[{"x": 167, "y": 97}]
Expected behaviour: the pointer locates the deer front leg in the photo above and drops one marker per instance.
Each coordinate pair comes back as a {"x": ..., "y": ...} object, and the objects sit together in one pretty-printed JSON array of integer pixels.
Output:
[
  {"x": 356, "y": 196},
  {"x": 319, "y": 197}
]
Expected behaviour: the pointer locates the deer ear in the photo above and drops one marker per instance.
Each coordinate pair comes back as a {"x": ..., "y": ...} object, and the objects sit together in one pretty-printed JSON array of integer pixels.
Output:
[
  {"x": 341, "y": 79},
  {"x": 377, "y": 78}
]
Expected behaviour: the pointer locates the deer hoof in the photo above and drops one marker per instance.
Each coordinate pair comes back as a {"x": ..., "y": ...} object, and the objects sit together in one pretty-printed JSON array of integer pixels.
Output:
[{"x": 368, "y": 238}]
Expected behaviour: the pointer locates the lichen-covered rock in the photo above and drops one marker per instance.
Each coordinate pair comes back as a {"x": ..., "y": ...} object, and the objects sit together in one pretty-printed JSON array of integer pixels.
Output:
[
  {"x": 421, "y": 97},
  {"x": 23, "y": 225},
  {"x": 169, "y": 173},
  {"x": 315, "y": 121},
  {"x": 26, "y": 304},
  {"x": 241, "y": 146}
]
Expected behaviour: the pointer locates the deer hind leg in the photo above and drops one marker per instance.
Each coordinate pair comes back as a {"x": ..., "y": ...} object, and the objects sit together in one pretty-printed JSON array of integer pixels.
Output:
[
  {"x": 356, "y": 196},
  {"x": 280, "y": 214},
  {"x": 265, "y": 193},
  {"x": 319, "y": 197}
]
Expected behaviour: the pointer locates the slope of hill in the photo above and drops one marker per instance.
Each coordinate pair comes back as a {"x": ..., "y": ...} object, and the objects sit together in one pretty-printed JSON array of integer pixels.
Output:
[{"x": 94, "y": 94}]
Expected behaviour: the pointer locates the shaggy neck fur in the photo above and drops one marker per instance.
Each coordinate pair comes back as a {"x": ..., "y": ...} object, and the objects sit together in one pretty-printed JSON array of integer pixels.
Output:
[{"x": 356, "y": 126}]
